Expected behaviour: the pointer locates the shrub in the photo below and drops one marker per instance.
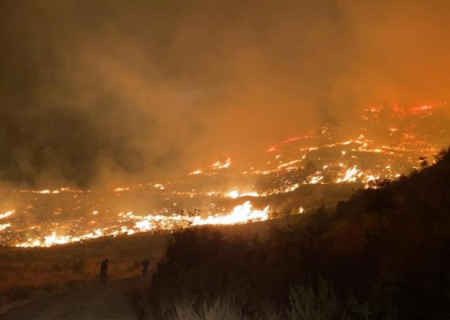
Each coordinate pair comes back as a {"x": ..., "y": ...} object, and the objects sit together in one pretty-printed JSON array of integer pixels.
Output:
[
  {"x": 217, "y": 310},
  {"x": 312, "y": 303}
]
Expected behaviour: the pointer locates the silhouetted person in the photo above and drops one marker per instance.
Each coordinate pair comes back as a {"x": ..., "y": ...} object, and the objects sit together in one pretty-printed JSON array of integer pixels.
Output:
[
  {"x": 103, "y": 271},
  {"x": 145, "y": 264}
]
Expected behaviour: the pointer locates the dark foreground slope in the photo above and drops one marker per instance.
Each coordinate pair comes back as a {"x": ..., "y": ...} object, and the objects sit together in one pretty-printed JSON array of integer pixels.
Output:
[{"x": 383, "y": 254}]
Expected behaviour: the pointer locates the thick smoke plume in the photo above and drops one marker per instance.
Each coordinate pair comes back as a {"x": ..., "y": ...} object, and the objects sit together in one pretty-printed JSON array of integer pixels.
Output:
[{"x": 95, "y": 92}]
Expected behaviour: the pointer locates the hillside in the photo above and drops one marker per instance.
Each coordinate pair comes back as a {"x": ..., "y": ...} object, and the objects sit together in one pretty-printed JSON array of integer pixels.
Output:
[
  {"x": 383, "y": 254},
  {"x": 26, "y": 274},
  {"x": 30, "y": 273}
]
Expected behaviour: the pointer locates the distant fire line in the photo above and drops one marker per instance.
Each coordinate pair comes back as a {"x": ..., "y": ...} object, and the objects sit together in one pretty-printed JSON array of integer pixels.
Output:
[{"x": 240, "y": 214}]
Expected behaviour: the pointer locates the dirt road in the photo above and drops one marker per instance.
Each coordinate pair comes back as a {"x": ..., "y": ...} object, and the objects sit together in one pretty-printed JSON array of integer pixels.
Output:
[{"x": 117, "y": 300}]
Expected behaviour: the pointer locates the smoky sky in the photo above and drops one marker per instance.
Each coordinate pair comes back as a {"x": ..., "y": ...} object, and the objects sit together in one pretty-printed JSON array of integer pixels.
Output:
[{"x": 95, "y": 92}]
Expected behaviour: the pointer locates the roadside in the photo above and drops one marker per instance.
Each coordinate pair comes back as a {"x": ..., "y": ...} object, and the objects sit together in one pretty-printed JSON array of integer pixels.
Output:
[{"x": 119, "y": 299}]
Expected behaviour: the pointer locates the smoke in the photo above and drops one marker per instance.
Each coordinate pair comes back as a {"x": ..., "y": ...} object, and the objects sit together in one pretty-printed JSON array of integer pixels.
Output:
[
  {"x": 402, "y": 49},
  {"x": 100, "y": 92}
]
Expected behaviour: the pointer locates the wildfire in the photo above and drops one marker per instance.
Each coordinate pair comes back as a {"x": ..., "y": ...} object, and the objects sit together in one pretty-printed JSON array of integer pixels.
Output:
[
  {"x": 319, "y": 157},
  {"x": 240, "y": 214},
  {"x": 55, "y": 239}
]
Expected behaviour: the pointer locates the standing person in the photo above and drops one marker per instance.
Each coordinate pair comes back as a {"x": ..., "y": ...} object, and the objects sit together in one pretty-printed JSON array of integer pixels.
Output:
[
  {"x": 103, "y": 271},
  {"x": 145, "y": 264}
]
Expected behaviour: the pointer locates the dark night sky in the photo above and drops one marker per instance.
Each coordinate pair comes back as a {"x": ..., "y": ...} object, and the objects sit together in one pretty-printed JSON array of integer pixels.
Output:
[{"x": 94, "y": 92}]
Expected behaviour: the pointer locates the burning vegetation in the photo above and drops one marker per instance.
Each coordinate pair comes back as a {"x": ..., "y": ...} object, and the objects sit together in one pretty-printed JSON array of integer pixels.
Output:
[{"x": 392, "y": 141}]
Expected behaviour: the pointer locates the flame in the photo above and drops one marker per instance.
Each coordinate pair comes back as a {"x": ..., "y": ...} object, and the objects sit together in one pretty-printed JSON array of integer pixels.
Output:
[
  {"x": 351, "y": 175},
  {"x": 420, "y": 109},
  {"x": 7, "y": 214},
  {"x": 240, "y": 214},
  {"x": 222, "y": 165},
  {"x": 233, "y": 194},
  {"x": 55, "y": 239},
  {"x": 120, "y": 189},
  {"x": 57, "y": 191},
  {"x": 236, "y": 194},
  {"x": 4, "y": 226},
  {"x": 214, "y": 167},
  {"x": 291, "y": 139},
  {"x": 315, "y": 179}
]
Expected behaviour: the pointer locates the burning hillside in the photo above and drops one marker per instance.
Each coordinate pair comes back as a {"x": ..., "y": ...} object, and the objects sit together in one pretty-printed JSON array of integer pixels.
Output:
[{"x": 389, "y": 143}]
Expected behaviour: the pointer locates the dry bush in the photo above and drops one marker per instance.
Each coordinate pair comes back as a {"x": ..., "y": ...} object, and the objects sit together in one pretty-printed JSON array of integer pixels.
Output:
[{"x": 219, "y": 309}]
